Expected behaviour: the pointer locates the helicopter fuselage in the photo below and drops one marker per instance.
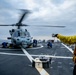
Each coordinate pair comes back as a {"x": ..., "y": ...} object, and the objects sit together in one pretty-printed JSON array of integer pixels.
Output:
[{"x": 20, "y": 37}]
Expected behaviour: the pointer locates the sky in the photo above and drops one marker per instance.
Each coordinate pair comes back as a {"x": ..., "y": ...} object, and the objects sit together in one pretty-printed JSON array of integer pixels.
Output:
[{"x": 43, "y": 12}]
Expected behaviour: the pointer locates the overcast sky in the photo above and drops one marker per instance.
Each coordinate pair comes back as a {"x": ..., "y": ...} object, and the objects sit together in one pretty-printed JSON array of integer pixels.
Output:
[{"x": 43, "y": 12}]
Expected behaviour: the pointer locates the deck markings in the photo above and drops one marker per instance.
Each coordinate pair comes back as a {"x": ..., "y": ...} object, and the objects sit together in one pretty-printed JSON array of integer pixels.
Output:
[
  {"x": 40, "y": 46},
  {"x": 67, "y": 48},
  {"x": 28, "y": 55},
  {"x": 4, "y": 53},
  {"x": 42, "y": 71},
  {"x": 64, "y": 57},
  {"x": 16, "y": 54}
]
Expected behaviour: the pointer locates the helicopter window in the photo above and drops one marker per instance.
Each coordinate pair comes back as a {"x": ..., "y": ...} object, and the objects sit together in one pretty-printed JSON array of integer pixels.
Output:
[
  {"x": 18, "y": 33},
  {"x": 27, "y": 33},
  {"x": 21, "y": 34}
]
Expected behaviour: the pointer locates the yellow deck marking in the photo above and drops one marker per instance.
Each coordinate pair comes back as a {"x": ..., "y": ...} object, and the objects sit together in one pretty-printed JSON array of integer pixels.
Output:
[
  {"x": 40, "y": 68},
  {"x": 42, "y": 71}
]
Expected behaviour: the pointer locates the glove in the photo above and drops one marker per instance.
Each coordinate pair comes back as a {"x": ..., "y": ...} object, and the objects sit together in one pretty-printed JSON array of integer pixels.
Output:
[{"x": 54, "y": 35}]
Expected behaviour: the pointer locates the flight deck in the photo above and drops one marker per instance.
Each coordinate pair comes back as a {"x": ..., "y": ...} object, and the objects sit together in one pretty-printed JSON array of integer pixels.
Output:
[{"x": 15, "y": 62}]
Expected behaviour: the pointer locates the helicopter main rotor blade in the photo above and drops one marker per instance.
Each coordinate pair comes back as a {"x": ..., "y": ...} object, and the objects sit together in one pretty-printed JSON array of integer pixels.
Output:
[
  {"x": 5, "y": 25},
  {"x": 15, "y": 25},
  {"x": 25, "y": 12},
  {"x": 54, "y": 26},
  {"x": 36, "y": 25},
  {"x": 8, "y": 25},
  {"x": 25, "y": 25},
  {"x": 49, "y": 26},
  {"x": 43, "y": 26}
]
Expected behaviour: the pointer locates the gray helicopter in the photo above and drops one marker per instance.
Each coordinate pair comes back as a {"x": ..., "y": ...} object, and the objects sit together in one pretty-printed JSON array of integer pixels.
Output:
[{"x": 20, "y": 37}]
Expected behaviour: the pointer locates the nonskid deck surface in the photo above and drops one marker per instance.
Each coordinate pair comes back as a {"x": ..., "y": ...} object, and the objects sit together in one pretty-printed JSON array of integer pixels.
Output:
[{"x": 14, "y": 61}]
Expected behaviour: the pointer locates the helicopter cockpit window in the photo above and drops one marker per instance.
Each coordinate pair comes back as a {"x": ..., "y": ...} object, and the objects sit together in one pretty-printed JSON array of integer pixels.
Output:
[
  {"x": 21, "y": 34},
  {"x": 27, "y": 33},
  {"x": 16, "y": 34}
]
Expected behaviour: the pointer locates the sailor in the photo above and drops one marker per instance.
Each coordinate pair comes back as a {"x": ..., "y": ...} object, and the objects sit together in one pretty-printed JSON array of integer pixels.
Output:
[
  {"x": 49, "y": 44},
  {"x": 4, "y": 44},
  {"x": 34, "y": 43},
  {"x": 68, "y": 40}
]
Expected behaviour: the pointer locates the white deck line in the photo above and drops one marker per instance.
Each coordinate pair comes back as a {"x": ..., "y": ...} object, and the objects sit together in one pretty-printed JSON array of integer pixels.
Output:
[
  {"x": 4, "y": 53},
  {"x": 28, "y": 55},
  {"x": 16, "y": 54},
  {"x": 36, "y": 47},
  {"x": 67, "y": 48},
  {"x": 60, "y": 57}
]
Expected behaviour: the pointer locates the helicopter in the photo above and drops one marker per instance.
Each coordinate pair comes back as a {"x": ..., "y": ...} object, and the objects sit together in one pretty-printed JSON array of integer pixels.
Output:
[{"x": 20, "y": 37}]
